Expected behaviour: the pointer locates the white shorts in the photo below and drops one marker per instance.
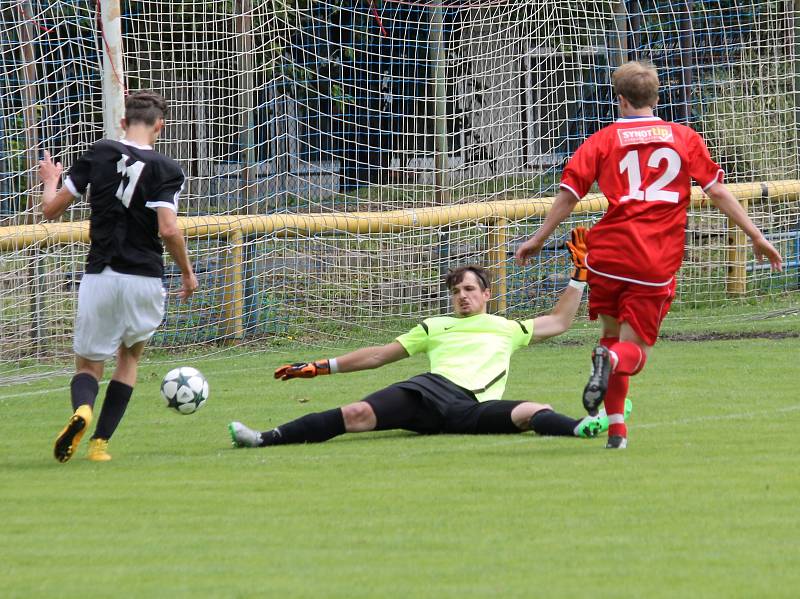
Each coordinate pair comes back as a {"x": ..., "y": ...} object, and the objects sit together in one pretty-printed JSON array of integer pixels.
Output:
[{"x": 116, "y": 309}]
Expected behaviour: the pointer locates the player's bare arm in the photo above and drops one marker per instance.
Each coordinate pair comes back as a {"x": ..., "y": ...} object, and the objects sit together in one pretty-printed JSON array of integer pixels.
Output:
[
  {"x": 562, "y": 207},
  {"x": 563, "y": 314},
  {"x": 172, "y": 236},
  {"x": 365, "y": 358},
  {"x": 368, "y": 358},
  {"x": 54, "y": 200},
  {"x": 727, "y": 203}
]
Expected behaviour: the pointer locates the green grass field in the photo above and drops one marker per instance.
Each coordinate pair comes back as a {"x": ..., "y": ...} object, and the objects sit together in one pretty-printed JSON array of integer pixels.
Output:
[{"x": 704, "y": 503}]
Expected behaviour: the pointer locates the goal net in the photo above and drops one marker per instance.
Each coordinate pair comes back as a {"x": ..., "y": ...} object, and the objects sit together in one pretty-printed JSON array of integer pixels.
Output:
[{"x": 400, "y": 132}]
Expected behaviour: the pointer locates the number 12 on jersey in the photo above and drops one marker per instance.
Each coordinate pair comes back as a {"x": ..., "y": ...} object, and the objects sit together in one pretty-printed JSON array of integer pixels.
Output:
[{"x": 654, "y": 192}]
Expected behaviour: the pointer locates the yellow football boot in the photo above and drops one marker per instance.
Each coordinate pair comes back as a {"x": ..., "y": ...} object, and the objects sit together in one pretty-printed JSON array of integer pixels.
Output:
[
  {"x": 97, "y": 450},
  {"x": 68, "y": 439}
]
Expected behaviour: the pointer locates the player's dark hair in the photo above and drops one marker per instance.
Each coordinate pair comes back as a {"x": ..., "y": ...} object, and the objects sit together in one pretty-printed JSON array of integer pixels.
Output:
[
  {"x": 145, "y": 106},
  {"x": 456, "y": 275},
  {"x": 637, "y": 82}
]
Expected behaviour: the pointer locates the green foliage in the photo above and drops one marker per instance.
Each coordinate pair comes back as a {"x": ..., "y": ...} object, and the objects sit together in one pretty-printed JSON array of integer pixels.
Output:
[
  {"x": 748, "y": 120},
  {"x": 14, "y": 155},
  {"x": 702, "y": 504}
]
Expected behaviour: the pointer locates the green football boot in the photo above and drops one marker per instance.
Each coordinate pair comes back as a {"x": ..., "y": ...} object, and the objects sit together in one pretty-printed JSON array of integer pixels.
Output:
[
  {"x": 588, "y": 427},
  {"x": 243, "y": 436}
]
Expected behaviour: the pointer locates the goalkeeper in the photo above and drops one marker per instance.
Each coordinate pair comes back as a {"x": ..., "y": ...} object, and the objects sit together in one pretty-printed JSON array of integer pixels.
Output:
[{"x": 469, "y": 354}]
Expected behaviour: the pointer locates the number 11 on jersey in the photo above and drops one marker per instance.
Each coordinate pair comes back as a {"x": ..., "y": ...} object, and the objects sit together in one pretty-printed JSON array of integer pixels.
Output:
[{"x": 131, "y": 173}]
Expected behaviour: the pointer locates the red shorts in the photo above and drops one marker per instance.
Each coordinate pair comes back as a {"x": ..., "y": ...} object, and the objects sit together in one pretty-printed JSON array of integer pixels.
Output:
[{"x": 643, "y": 307}]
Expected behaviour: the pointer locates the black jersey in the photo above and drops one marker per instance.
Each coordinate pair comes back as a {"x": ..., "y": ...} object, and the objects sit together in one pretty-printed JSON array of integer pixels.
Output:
[{"x": 128, "y": 183}]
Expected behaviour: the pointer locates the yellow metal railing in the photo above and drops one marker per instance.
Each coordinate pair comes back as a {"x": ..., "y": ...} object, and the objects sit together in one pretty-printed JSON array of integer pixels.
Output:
[{"x": 495, "y": 214}]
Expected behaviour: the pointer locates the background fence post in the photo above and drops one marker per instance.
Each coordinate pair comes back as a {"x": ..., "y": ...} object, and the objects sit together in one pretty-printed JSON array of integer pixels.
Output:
[
  {"x": 736, "y": 285},
  {"x": 498, "y": 264},
  {"x": 233, "y": 290},
  {"x": 249, "y": 177},
  {"x": 31, "y": 118},
  {"x": 439, "y": 59}
]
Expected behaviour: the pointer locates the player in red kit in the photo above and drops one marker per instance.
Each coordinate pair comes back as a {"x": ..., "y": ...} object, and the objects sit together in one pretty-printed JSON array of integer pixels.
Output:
[{"x": 645, "y": 167}]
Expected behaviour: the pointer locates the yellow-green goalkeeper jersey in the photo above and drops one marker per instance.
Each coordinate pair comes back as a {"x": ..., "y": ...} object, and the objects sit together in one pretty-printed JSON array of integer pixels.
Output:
[{"x": 473, "y": 352}]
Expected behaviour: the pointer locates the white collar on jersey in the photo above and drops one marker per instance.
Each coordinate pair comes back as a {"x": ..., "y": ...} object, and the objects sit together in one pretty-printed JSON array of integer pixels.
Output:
[
  {"x": 633, "y": 119},
  {"x": 134, "y": 145}
]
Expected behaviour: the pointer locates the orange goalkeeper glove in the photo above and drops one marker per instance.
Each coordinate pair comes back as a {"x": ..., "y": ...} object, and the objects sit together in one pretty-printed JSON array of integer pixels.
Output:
[
  {"x": 303, "y": 370},
  {"x": 577, "y": 251}
]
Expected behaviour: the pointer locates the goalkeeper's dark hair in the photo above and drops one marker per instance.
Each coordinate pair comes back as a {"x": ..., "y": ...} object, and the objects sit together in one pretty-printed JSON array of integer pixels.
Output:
[
  {"x": 456, "y": 275},
  {"x": 145, "y": 106}
]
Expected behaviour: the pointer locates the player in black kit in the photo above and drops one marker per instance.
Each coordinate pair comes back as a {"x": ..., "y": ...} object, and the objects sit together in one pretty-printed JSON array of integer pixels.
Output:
[{"x": 133, "y": 194}]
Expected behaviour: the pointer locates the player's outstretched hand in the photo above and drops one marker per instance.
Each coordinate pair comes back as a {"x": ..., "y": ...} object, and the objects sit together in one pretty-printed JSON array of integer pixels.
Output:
[
  {"x": 303, "y": 370},
  {"x": 189, "y": 285},
  {"x": 527, "y": 250},
  {"x": 50, "y": 171},
  {"x": 577, "y": 251},
  {"x": 765, "y": 251}
]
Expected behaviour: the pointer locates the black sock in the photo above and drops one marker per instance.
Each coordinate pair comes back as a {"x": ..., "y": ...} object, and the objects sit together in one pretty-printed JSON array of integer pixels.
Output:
[
  {"x": 548, "y": 422},
  {"x": 311, "y": 428},
  {"x": 83, "y": 390},
  {"x": 114, "y": 405}
]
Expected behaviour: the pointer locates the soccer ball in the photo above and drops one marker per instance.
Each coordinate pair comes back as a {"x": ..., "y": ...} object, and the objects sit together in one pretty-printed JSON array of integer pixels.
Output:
[{"x": 184, "y": 389}]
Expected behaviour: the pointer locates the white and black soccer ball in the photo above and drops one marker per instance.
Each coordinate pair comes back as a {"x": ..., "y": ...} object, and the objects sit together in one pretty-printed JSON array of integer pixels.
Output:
[{"x": 184, "y": 389}]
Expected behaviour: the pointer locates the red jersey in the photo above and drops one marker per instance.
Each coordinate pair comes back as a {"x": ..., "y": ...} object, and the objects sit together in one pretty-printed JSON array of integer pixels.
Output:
[{"x": 644, "y": 166}]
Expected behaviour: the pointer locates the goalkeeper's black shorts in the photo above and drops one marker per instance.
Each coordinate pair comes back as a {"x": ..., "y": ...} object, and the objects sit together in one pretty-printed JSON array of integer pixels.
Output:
[{"x": 430, "y": 404}]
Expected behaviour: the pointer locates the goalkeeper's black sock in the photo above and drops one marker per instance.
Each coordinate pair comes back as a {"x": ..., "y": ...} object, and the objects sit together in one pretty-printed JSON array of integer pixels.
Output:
[
  {"x": 83, "y": 390},
  {"x": 548, "y": 422},
  {"x": 311, "y": 428},
  {"x": 117, "y": 397}
]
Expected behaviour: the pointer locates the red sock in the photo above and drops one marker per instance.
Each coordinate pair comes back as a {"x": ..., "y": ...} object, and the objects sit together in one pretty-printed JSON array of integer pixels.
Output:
[
  {"x": 615, "y": 404},
  {"x": 630, "y": 358},
  {"x": 608, "y": 341},
  {"x": 614, "y": 401}
]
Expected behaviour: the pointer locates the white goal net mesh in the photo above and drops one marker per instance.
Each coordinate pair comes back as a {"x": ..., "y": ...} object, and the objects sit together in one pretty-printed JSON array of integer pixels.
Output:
[{"x": 381, "y": 110}]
